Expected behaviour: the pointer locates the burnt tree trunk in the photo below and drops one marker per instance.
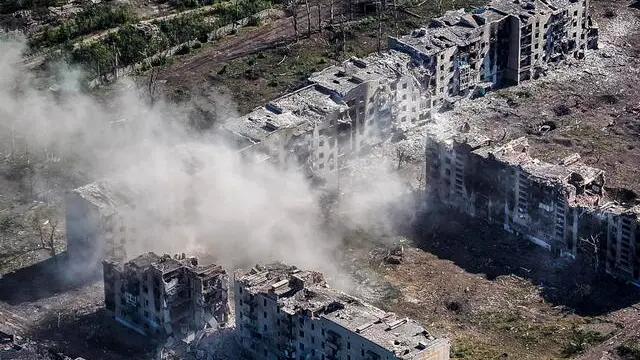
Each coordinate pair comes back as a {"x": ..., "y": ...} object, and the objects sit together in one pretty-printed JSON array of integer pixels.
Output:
[
  {"x": 379, "y": 14},
  {"x": 306, "y": 4},
  {"x": 331, "y": 10},
  {"x": 319, "y": 16},
  {"x": 292, "y": 7}
]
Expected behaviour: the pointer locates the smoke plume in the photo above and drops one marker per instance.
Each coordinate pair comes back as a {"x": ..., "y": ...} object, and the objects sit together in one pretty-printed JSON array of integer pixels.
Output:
[{"x": 238, "y": 212}]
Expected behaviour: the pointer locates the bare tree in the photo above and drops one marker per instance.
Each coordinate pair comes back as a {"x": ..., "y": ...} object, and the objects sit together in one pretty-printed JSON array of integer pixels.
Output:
[
  {"x": 344, "y": 34},
  {"x": 152, "y": 86},
  {"x": 331, "y": 10},
  {"x": 402, "y": 155},
  {"x": 591, "y": 246},
  {"x": 350, "y": 9},
  {"x": 318, "y": 6},
  {"x": 116, "y": 56},
  {"x": 46, "y": 223},
  {"x": 395, "y": 17},
  {"x": 308, "y": 8},
  {"x": 379, "y": 16},
  {"x": 291, "y": 6}
]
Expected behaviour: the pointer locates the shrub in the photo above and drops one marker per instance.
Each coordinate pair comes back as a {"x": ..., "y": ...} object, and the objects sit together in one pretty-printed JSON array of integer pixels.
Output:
[
  {"x": 273, "y": 83},
  {"x": 203, "y": 37},
  {"x": 580, "y": 341},
  {"x": 629, "y": 351},
  {"x": 93, "y": 18},
  {"x": 183, "y": 50},
  {"x": 254, "y": 21}
]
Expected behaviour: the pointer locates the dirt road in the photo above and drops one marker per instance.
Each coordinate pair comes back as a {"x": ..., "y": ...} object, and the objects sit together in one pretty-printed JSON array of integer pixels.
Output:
[{"x": 249, "y": 41}]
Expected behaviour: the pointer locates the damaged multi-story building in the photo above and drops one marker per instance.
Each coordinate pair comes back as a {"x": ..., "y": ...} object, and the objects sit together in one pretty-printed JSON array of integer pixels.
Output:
[
  {"x": 562, "y": 207},
  {"x": 298, "y": 130},
  {"x": 103, "y": 218},
  {"x": 501, "y": 44},
  {"x": 286, "y": 313},
  {"x": 96, "y": 223},
  {"x": 346, "y": 109},
  {"x": 362, "y": 101},
  {"x": 167, "y": 296}
]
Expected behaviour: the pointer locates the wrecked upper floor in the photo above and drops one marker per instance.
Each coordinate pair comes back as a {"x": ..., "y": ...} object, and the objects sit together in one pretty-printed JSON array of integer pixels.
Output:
[{"x": 306, "y": 293}]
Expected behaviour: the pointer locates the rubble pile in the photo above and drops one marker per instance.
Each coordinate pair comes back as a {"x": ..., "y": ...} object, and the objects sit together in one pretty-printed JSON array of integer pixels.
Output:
[{"x": 16, "y": 348}]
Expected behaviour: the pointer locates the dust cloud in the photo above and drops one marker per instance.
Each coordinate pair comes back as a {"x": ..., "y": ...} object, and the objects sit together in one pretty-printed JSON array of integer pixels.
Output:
[{"x": 239, "y": 212}]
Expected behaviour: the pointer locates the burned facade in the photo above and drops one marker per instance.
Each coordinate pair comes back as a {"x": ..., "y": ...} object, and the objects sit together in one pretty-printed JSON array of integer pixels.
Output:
[
  {"x": 501, "y": 44},
  {"x": 162, "y": 296},
  {"x": 560, "y": 207},
  {"x": 286, "y": 313}
]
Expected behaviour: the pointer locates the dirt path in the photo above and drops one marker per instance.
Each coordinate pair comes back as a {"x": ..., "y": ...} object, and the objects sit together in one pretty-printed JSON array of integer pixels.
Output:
[
  {"x": 277, "y": 32},
  {"x": 102, "y": 34}
]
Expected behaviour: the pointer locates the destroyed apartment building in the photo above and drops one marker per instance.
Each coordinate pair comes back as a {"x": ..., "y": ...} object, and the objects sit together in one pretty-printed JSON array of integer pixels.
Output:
[
  {"x": 165, "y": 296},
  {"x": 501, "y": 44},
  {"x": 561, "y": 207},
  {"x": 362, "y": 101},
  {"x": 95, "y": 223},
  {"x": 102, "y": 218},
  {"x": 286, "y": 313},
  {"x": 346, "y": 109}
]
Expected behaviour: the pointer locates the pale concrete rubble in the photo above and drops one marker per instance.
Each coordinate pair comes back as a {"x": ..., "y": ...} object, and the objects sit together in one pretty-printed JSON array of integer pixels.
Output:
[
  {"x": 167, "y": 297},
  {"x": 16, "y": 348},
  {"x": 286, "y": 313}
]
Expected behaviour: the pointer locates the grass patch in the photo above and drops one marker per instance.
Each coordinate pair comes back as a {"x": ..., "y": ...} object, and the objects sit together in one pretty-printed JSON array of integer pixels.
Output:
[
  {"x": 256, "y": 79},
  {"x": 580, "y": 341},
  {"x": 131, "y": 44},
  {"x": 93, "y": 18}
]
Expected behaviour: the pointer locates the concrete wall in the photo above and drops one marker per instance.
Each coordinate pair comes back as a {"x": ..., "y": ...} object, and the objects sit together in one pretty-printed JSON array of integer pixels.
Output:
[
  {"x": 539, "y": 210},
  {"x": 140, "y": 307},
  {"x": 513, "y": 51},
  {"x": 268, "y": 333}
]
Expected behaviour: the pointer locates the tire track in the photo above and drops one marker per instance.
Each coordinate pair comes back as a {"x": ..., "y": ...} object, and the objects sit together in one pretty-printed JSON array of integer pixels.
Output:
[{"x": 278, "y": 32}]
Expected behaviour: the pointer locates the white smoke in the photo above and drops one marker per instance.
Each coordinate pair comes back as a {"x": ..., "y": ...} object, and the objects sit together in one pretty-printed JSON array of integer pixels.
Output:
[{"x": 238, "y": 212}]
